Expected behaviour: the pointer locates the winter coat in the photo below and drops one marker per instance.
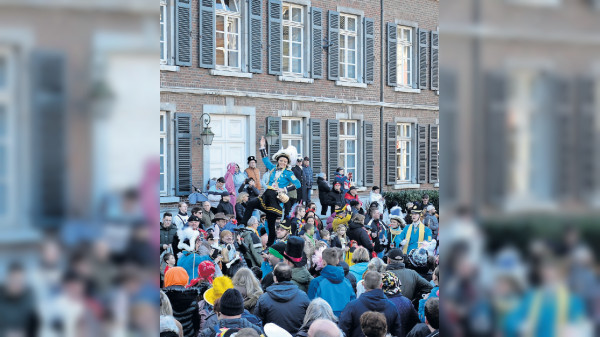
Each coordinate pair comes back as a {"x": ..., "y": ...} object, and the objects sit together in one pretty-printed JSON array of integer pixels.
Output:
[
  {"x": 337, "y": 242},
  {"x": 283, "y": 304},
  {"x": 348, "y": 197},
  {"x": 357, "y": 233},
  {"x": 324, "y": 190},
  {"x": 207, "y": 219},
  {"x": 344, "y": 181},
  {"x": 420, "y": 330},
  {"x": 236, "y": 323},
  {"x": 240, "y": 209},
  {"x": 348, "y": 274},
  {"x": 190, "y": 261},
  {"x": 225, "y": 208},
  {"x": 301, "y": 277},
  {"x": 377, "y": 226},
  {"x": 408, "y": 314},
  {"x": 412, "y": 284},
  {"x": 238, "y": 179},
  {"x": 212, "y": 319},
  {"x": 373, "y": 300},
  {"x": 251, "y": 190},
  {"x": 336, "y": 198},
  {"x": 333, "y": 287},
  {"x": 185, "y": 308},
  {"x": 358, "y": 270},
  {"x": 431, "y": 221},
  {"x": 167, "y": 235},
  {"x": 18, "y": 313},
  {"x": 434, "y": 293},
  {"x": 254, "y": 247},
  {"x": 308, "y": 176}
]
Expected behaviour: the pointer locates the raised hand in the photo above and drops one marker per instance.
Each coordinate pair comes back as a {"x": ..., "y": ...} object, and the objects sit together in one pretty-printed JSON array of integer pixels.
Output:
[{"x": 263, "y": 142}]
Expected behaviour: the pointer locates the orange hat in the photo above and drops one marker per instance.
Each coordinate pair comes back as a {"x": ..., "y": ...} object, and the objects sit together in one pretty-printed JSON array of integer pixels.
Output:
[{"x": 176, "y": 276}]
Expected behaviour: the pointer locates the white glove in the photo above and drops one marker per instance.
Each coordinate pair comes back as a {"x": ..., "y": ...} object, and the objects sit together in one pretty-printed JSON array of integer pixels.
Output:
[{"x": 403, "y": 242}]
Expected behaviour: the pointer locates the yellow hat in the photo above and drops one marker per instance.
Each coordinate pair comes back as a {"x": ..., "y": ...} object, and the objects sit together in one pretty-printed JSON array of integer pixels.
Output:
[{"x": 219, "y": 286}]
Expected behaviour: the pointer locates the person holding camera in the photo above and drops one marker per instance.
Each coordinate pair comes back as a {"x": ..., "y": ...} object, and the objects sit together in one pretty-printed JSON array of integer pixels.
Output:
[{"x": 250, "y": 186}]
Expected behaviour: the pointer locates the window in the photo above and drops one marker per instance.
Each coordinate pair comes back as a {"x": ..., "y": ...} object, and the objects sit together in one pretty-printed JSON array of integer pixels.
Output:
[
  {"x": 228, "y": 16},
  {"x": 348, "y": 146},
  {"x": 163, "y": 32},
  {"x": 163, "y": 153},
  {"x": 7, "y": 136},
  {"x": 405, "y": 64},
  {"x": 348, "y": 47},
  {"x": 291, "y": 134},
  {"x": 293, "y": 39},
  {"x": 404, "y": 152}
]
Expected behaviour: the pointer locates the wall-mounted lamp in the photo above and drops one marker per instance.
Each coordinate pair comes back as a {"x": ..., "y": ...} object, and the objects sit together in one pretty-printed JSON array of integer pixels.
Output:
[
  {"x": 271, "y": 136},
  {"x": 206, "y": 136}
]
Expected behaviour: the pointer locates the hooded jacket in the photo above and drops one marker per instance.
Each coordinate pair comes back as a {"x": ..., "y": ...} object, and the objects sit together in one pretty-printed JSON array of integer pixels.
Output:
[
  {"x": 333, "y": 287},
  {"x": 185, "y": 308},
  {"x": 358, "y": 270},
  {"x": 373, "y": 300},
  {"x": 283, "y": 304},
  {"x": 357, "y": 233},
  {"x": 234, "y": 323},
  {"x": 412, "y": 283},
  {"x": 349, "y": 276},
  {"x": 301, "y": 277},
  {"x": 408, "y": 314},
  {"x": 349, "y": 197}
]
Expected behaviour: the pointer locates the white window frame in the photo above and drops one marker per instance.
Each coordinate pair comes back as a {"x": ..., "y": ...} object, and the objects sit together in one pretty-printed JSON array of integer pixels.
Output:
[
  {"x": 402, "y": 44},
  {"x": 343, "y": 156},
  {"x": 164, "y": 21},
  {"x": 290, "y": 25},
  {"x": 404, "y": 142},
  {"x": 8, "y": 140},
  {"x": 226, "y": 16},
  {"x": 286, "y": 138},
  {"x": 164, "y": 170},
  {"x": 344, "y": 36}
]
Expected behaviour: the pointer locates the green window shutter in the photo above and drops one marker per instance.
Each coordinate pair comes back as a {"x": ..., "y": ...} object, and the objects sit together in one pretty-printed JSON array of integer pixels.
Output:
[
  {"x": 392, "y": 49},
  {"x": 333, "y": 51},
  {"x": 369, "y": 55},
  {"x": 392, "y": 169},
  {"x": 274, "y": 124},
  {"x": 317, "y": 42},
  {"x": 369, "y": 175},
  {"x": 333, "y": 139},
  {"x": 422, "y": 153},
  {"x": 433, "y": 153},
  {"x": 255, "y": 33},
  {"x": 183, "y": 153},
  {"x": 423, "y": 34},
  {"x": 315, "y": 147},
  {"x": 183, "y": 33},
  {"x": 435, "y": 54},
  {"x": 275, "y": 37}
]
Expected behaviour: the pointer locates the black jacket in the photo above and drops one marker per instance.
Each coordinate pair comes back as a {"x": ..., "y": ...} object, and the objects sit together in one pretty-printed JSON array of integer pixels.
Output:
[
  {"x": 185, "y": 308},
  {"x": 283, "y": 304},
  {"x": 336, "y": 198},
  {"x": 225, "y": 208},
  {"x": 373, "y": 300},
  {"x": 299, "y": 174},
  {"x": 252, "y": 191},
  {"x": 18, "y": 313},
  {"x": 240, "y": 209},
  {"x": 348, "y": 274},
  {"x": 357, "y": 233}
]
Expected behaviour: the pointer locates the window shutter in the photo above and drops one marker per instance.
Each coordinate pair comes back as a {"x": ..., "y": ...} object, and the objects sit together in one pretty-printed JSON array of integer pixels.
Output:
[
  {"x": 422, "y": 153},
  {"x": 206, "y": 45},
  {"x": 183, "y": 33},
  {"x": 49, "y": 129},
  {"x": 369, "y": 179},
  {"x": 433, "y": 154},
  {"x": 495, "y": 137},
  {"x": 274, "y": 123},
  {"x": 561, "y": 106},
  {"x": 423, "y": 33},
  {"x": 435, "y": 67},
  {"x": 369, "y": 29},
  {"x": 333, "y": 51},
  {"x": 183, "y": 153},
  {"x": 317, "y": 42},
  {"x": 275, "y": 36},
  {"x": 392, "y": 46},
  {"x": 255, "y": 32},
  {"x": 315, "y": 147},
  {"x": 333, "y": 139},
  {"x": 392, "y": 169},
  {"x": 586, "y": 134}
]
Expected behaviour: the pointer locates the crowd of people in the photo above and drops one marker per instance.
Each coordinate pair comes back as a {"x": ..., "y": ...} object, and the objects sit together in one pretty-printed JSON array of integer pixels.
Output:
[{"x": 256, "y": 258}]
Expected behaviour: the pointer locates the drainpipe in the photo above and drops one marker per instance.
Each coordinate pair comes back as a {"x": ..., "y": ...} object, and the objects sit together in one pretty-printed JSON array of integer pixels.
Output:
[{"x": 381, "y": 86}]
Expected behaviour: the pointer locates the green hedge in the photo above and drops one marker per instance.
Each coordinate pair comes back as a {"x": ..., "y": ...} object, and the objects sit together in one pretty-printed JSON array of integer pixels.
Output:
[{"x": 405, "y": 196}]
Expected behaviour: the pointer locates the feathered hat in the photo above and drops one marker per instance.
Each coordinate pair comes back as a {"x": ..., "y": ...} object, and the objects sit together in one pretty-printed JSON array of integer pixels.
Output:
[
  {"x": 189, "y": 235},
  {"x": 291, "y": 153}
]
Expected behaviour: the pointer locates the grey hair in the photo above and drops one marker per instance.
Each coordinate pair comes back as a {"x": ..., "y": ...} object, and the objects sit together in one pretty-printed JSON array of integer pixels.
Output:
[
  {"x": 165, "y": 305},
  {"x": 321, "y": 174},
  {"x": 376, "y": 264},
  {"x": 167, "y": 323},
  {"x": 430, "y": 207},
  {"x": 318, "y": 309},
  {"x": 252, "y": 220}
]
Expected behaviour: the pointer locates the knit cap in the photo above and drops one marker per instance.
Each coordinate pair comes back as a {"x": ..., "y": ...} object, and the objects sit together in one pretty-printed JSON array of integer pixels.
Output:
[{"x": 232, "y": 303}]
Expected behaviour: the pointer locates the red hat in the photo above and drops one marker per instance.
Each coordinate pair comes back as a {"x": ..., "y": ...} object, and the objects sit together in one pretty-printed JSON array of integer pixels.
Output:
[{"x": 206, "y": 271}]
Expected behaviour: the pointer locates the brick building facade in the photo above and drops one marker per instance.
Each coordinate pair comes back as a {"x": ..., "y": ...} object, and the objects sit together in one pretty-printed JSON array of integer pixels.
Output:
[{"x": 349, "y": 83}]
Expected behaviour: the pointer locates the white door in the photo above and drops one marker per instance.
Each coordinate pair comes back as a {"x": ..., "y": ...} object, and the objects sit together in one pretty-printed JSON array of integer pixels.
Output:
[{"x": 229, "y": 144}]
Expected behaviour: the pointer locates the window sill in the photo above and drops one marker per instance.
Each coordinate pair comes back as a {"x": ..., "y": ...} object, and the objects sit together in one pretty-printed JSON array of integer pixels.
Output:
[
  {"x": 229, "y": 73},
  {"x": 361, "y": 189},
  {"x": 167, "y": 67},
  {"x": 411, "y": 90},
  {"x": 295, "y": 79},
  {"x": 350, "y": 84},
  {"x": 167, "y": 200},
  {"x": 406, "y": 186},
  {"x": 436, "y": 185}
]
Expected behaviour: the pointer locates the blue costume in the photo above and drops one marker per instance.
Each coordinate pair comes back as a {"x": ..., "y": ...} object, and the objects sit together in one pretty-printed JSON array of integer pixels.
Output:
[{"x": 413, "y": 242}]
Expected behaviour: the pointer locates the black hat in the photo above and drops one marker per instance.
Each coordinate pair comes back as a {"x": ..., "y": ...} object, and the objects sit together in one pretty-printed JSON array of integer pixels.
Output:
[
  {"x": 306, "y": 158},
  {"x": 375, "y": 188},
  {"x": 396, "y": 255},
  {"x": 225, "y": 194},
  {"x": 232, "y": 302},
  {"x": 285, "y": 224},
  {"x": 415, "y": 210},
  {"x": 294, "y": 249},
  {"x": 251, "y": 158},
  {"x": 219, "y": 216},
  {"x": 194, "y": 218},
  {"x": 353, "y": 188},
  {"x": 339, "y": 169}
]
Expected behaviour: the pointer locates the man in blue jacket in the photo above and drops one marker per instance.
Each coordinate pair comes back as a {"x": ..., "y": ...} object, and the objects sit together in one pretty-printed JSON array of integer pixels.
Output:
[
  {"x": 332, "y": 285},
  {"x": 372, "y": 300}
]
